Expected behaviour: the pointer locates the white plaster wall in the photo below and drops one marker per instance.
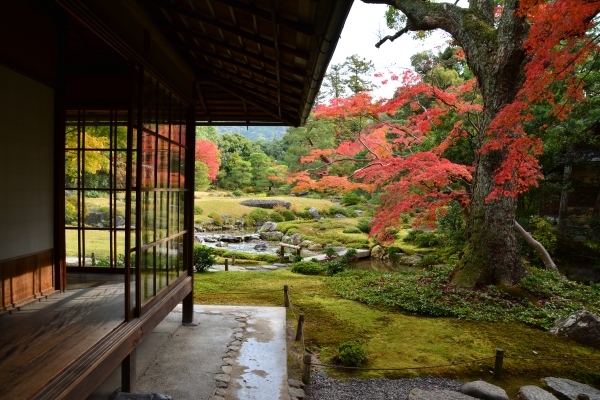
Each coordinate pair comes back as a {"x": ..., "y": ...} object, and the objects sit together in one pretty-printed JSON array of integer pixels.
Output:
[{"x": 26, "y": 165}]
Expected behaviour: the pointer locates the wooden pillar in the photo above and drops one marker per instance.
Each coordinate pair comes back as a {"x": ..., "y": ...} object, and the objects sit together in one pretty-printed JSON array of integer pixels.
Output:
[
  {"x": 188, "y": 301},
  {"x": 128, "y": 372},
  {"x": 58, "y": 255}
]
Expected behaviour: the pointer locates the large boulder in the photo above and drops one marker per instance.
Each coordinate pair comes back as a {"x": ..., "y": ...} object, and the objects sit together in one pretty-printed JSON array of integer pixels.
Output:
[
  {"x": 378, "y": 252},
  {"x": 418, "y": 394},
  {"x": 96, "y": 217},
  {"x": 581, "y": 326},
  {"x": 531, "y": 392},
  {"x": 271, "y": 236},
  {"x": 296, "y": 239},
  {"x": 568, "y": 389},
  {"x": 314, "y": 213},
  {"x": 268, "y": 227},
  {"x": 266, "y": 203},
  {"x": 484, "y": 390},
  {"x": 314, "y": 247}
]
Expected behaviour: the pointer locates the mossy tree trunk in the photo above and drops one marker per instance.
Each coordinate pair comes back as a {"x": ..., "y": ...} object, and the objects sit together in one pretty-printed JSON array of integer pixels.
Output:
[{"x": 495, "y": 54}]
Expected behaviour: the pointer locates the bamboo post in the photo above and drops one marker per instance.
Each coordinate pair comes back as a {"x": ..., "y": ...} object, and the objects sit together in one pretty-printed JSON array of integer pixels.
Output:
[
  {"x": 498, "y": 364},
  {"x": 286, "y": 296},
  {"x": 299, "y": 331},
  {"x": 306, "y": 369},
  {"x": 226, "y": 264}
]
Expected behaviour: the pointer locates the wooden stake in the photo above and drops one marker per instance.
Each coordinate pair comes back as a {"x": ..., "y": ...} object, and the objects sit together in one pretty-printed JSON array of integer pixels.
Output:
[
  {"x": 306, "y": 369},
  {"x": 498, "y": 364},
  {"x": 286, "y": 297},
  {"x": 299, "y": 331}
]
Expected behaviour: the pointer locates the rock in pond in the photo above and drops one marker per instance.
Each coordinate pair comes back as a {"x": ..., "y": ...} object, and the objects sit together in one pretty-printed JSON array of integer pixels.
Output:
[{"x": 268, "y": 227}]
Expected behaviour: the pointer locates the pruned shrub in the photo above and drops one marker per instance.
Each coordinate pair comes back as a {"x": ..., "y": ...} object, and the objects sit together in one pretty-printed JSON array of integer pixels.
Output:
[
  {"x": 351, "y": 354},
  {"x": 288, "y": 215},
  {"x": 422, "y": 239},
  {"x": 352, "y": 230},
  {"x": 364, "y": 225},
  {"x": 258, "y": 215},
  {"x": 198, "y": 210},
  {"x": 203, "y": 258},
  {"x": 307, "y": 268},
  {"x": 350, "y": 199},
  {"x": 275, "y": 217}
]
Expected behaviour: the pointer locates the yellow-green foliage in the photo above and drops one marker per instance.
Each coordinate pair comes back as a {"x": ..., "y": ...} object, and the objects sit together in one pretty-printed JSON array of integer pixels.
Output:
[
  {"x": 233, "y": 208},
  {"x": 329, "y": 231}
]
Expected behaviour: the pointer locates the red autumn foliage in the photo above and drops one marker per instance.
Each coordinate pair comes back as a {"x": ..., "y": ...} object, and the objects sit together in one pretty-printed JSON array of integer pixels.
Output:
[{"x": 208, "y": 153}]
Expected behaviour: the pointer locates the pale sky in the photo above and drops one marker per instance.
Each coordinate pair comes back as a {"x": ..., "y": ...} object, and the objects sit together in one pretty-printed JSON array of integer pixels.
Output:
[{"x": 361, "y": 33}]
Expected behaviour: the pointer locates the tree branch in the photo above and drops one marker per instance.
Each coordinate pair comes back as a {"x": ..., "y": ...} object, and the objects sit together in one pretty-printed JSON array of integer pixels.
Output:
[
  {"x": 393, "y": 37},
  {"x": 537, "y": 246}
]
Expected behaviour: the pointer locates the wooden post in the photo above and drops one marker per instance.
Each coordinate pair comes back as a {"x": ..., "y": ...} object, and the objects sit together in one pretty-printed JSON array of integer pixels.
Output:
[
  {"x": 233, "y": 259},
  {"x": 286, "y": 296},
  {"x": 226, "y": 265},
  {"x": 128, "y": 372},
  {"x": 93, "y": 259},
  {"x": 299, "y": 331},
  {"x": 306, "y": 369},
  {"x": 498, "y": 364}
]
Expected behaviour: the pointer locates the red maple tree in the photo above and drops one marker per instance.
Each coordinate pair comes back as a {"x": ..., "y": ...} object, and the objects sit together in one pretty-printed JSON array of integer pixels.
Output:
[
  {"x": 208, "y": 153},
  {"x": 516, "y": 52}
]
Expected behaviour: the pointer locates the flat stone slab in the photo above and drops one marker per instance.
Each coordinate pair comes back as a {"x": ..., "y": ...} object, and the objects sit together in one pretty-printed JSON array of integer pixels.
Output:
[
  {"x": 568, "y": 389},
  {"x": 418, "y": 394},
  {"x": 266, "y": 203},
  {"x": 531, "y": 392},
  {"x": 484, "y": 390},
  {"x": 187, "y": 362}
]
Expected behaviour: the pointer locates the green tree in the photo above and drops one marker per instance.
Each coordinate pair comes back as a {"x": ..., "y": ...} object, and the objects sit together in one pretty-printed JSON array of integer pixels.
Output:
[
  {"x": 315, "y": 134},
  {"x": 207, "y": 133},
  {"x": 236, "y": 173},
  {"x": 357, "y": 74},
  {"x": 201, "y": 179},
  {"x": 334, "y": 82}
]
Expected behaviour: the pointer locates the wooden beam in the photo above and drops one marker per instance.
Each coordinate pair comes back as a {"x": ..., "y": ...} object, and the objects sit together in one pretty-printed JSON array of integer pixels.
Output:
[
  {"x": 201, "y": 98},
  {"x": 249, "y": 99},
  {"x": 300, "y": 27},
  {"x": 258, "y": 87},
  {"x": 250, "y": 68},
  {"x": 277, "y": 55},
  {"x": 165, "y": 5},
  {"x": 241, "y": 51}
]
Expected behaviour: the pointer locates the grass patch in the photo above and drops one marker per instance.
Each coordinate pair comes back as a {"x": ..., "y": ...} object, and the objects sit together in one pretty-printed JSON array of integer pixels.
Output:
[
  {"x": 232, "y": 207},
  {"x": 400, "y": 340},
  {"x": 329, "y": 231}
]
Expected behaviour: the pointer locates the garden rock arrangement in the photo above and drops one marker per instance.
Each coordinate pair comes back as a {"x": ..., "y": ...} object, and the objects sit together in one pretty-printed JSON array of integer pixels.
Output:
[
  {"x": 266, "y": 203},
  {"x": 431, "y": 388},
  {"x": 581, "y": 326}
]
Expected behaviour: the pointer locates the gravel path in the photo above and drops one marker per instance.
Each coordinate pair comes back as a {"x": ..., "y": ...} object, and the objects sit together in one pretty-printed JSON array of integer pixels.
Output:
[{"x": 325, "y": 388}]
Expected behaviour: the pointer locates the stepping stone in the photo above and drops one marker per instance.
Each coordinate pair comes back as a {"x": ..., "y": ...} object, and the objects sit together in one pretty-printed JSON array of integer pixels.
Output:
[
  {"x": 570, "y": 389},
  {"x": 531, "y": 392},
  {"x": 227, "y": 360},
  {"x": 484, "y": 390},
  {"x": 222, "y": 377},
  {"x": 418, "y": 394},
  {"x": 297, "y": 393},
  {"x": 227, "y": 369}
]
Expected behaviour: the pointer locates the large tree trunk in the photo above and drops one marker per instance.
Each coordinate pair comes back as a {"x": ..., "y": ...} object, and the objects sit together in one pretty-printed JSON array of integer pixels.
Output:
[{"x": 491, "y": 254}]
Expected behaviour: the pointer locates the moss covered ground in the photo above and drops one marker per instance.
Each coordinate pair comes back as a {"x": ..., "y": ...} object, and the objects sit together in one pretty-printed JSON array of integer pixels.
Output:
[{"x": 397, "y": 339}]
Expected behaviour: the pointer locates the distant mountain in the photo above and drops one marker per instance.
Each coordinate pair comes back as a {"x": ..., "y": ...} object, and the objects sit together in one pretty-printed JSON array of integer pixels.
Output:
[{"x": 266, "y": 133}]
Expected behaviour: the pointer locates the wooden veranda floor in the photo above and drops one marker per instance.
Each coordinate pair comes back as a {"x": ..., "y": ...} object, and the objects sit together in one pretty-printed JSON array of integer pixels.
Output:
[{"x": 41, "y": 339}]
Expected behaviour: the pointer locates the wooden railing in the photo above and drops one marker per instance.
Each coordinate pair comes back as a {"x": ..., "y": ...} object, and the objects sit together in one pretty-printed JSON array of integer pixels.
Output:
[{"x": 25, "y": 278}]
